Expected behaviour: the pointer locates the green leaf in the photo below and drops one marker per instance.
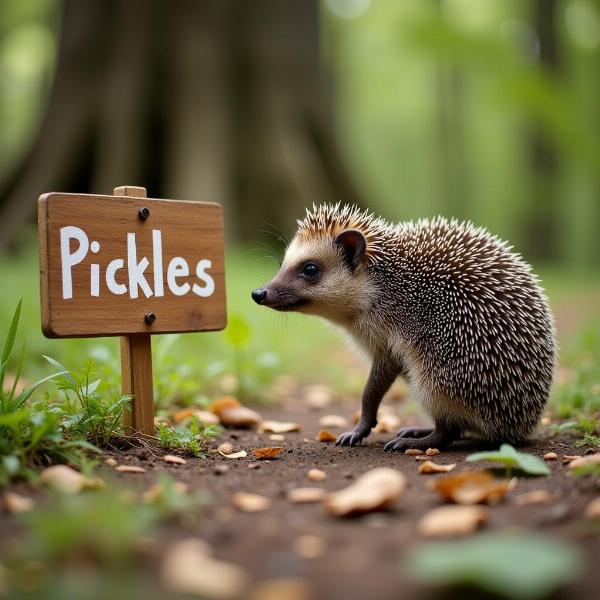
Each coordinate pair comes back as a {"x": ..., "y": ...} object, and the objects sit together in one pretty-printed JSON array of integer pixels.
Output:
[
  {"x": 63, "y": 371},
  {"x": 518, "y": 566},
  {"x": 11, "y": 463},
  {"x": 10, "y": 342},
  {"x": 509, "y": 457}
]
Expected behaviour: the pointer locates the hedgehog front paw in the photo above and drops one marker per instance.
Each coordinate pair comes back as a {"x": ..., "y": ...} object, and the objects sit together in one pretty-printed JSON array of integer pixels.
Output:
[
  {"x": 436, "y": 439},
  {"x": 354, "y": 437}
]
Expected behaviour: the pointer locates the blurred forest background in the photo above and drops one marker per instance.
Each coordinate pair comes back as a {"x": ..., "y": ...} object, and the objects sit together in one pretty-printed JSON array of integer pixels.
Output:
[{"x": 481, "y": 110}]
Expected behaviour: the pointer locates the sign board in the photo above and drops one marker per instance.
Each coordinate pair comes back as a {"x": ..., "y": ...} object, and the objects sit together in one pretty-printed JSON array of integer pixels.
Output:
[
  {"x": 114, "y": 265},
  {"x": 130, "y": 266}
]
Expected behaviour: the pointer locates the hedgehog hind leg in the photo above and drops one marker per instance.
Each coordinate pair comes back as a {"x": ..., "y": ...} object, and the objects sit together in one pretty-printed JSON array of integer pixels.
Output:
[
  {"x": 438, "y": 438},
  {"x": 414, "y": 432}
]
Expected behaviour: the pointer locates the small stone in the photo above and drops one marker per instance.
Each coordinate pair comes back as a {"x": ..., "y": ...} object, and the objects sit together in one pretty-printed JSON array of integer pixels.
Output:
[
  {"x": 306, "y": 495},
  {"x": 432, "y": 452},
  {"x": 253, "y": 466},
  {"x": 317, "y": 475},
  {"x": 221, "y": 469},
  {"x": 247, "y": 502},
  {"x": 226, "y": 448},
  {"x": 174, "y": 460},
  {"x": 277, "y": 437},
  {"x": 111, "y": 462},
  {"x": 129, "y": 469},
  {"x": 550, "y": 456}
]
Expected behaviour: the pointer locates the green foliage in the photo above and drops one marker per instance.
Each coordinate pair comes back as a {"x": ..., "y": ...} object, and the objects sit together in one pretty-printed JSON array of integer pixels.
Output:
[
  {"x": 586, "y": 470},
  {"x": 87, "y": 413},
  {"x": 188, "y": 439},
  {"x": 30, "y": 434},
  {"x": 589, "y": 440},
  {"x": 508, "y": 456},
  {"x": 518, "y": 566}
]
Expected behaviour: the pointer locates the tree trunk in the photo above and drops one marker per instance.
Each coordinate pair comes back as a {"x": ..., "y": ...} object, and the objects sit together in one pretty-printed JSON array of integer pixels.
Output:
[{"x": 214, "y": 100}]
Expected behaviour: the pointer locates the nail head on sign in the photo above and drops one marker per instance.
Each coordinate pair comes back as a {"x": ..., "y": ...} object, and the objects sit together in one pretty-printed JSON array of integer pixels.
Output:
[
  {"x": 144, "y": 213},
  {"x": 149, "y": 318}
]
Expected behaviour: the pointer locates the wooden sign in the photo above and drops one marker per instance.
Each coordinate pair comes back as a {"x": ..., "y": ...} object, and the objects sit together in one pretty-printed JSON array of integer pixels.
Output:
[{"x": 130, "y": 266}]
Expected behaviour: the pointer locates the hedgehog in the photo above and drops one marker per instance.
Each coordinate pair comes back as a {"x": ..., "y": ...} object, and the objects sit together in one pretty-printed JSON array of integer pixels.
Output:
[{"x": 442, "y": 303}]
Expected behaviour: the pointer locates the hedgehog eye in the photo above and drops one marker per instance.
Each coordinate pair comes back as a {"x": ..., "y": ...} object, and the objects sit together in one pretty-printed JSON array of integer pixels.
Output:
[{"x": 310, "y": 270}]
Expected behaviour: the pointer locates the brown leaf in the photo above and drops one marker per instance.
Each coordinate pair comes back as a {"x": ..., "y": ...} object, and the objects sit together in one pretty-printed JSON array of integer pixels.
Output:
[
  {"x": 534, "y": 497},
  {"x": 429, "y": 467},
  {"x": 472, "y": 487},
  {"x": 223, "y": 403},
  {"x": 187, "y": 568},
  {"x": 326, "y": 436},
  {"x": 582, "y": 461},
  {"x": 317, "y": 475},
  {"x": 305, "y": 495},
  {"x": 432, "y": 452},
  {"x": 129, "y": 469},
  {"x": 374, "y": 490},
  {"x": 174, "y": 460},
  {"x": 267, "y": 453},
  {"x": 64, "y": 479},
  {"x": 247, "y": 502},
  {"x": 279, "y": 427},
  {"x": 240, "y": 454},
  {"x": 450, "y": 521},
  {"x": 334, "y": 421},
  {"x": 14, "y": 503}
]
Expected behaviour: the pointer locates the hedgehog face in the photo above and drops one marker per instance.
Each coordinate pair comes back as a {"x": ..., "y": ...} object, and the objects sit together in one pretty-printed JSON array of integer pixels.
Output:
[{"x": 321, "y": 275}]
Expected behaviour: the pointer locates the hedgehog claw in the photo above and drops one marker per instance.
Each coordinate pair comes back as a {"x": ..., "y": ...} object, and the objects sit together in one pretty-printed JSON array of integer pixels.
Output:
[
  {"x": 435, "y": 439},
  {"x": 352, "y": 438}
]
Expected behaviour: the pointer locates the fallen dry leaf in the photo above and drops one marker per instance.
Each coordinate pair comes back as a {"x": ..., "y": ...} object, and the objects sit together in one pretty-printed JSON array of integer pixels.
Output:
[
  {"x": 592, "y": 510},
  {"x": 247, "y": 502},
  {"x": 432, "y": 452},
  {"x": 334, "y": 421},
  {"x": 284, "y": 588},
  {"x": 14, "y": 503},
  {"x": 279, "y": 427},
  {"x": 240, "y": 454},
  {"x": 226, "y": 448},
  {"x": 374, "y": 490},
  {"x": 309, "y": 547},
  {"x": 240, "y": 417},
  {"x": 472, "y": 487},
  {"x": 305, "y": 495},
  {"x": 267, "y": 453},
  {"x": 205, "y": 416},
  {"x": 326, "y": 436},
  {"x": 413, "y": 451},
  {"x": 174, "y": 460},
  {"x": 550, "y": 456},
  {"x": 582, "y": 461},
  {"x": 429, "y": 467},
  {"x": 450, "y": 521},
  {"x": 188, "y": 568},
  {"x": 316, "y": 475},
  {"x": 67, "y": 480},
  {"x": 534, "y": 497},
  {"x": 129, "y": 469}
]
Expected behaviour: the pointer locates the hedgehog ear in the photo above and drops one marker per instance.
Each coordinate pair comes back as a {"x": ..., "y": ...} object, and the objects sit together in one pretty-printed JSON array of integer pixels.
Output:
[{"x": 354, "y": 246}]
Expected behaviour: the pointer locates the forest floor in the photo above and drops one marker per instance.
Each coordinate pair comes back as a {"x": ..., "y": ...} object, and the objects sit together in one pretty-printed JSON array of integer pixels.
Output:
[{"x": 354, "y": 558}]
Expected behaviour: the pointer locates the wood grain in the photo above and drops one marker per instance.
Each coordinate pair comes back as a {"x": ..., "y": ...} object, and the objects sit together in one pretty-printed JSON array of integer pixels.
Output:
[{"x": 192, "y": 230}]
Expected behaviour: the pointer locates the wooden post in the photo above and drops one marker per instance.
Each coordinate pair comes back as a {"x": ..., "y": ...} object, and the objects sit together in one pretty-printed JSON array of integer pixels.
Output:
[{"x": 136, "y": 362}]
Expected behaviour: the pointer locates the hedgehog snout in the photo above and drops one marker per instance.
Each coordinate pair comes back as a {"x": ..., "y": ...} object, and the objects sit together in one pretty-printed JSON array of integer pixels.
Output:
[{"x": 259, "y": 295}]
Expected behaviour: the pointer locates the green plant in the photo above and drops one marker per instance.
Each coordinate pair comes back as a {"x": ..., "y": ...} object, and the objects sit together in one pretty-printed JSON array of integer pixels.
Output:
[
  {"x": 508, "y": 456},
  {"x": 30, "y": 435},
  {"x": 516, "y": 565},
  {"x": 87, "y": 413},
  {"x": 189, "y": 439},
  {"x": 589, "y": 440}
]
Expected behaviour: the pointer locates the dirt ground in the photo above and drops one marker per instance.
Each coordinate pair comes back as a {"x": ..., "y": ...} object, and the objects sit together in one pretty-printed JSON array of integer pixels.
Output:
[{"x": 362, "y": 557}]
